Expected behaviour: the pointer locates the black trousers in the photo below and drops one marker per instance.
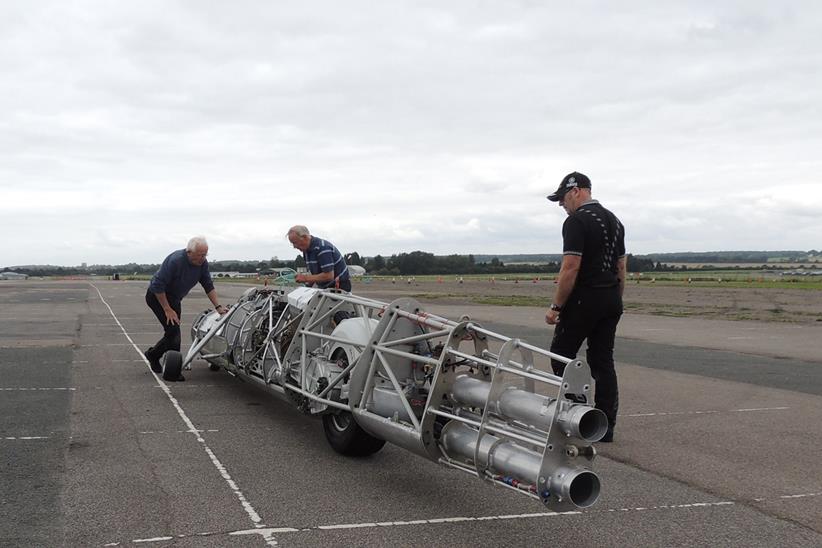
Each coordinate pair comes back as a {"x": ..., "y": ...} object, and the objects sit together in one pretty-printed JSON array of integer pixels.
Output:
[
  {"x": 171, "y": 332},
  {"x": 593, "y": 314}
]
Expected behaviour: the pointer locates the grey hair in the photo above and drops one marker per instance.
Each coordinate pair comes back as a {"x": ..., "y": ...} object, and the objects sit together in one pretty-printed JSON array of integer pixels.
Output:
[
  {"x": 195, "y": 242},
  {"x": 298, "y": 230}
]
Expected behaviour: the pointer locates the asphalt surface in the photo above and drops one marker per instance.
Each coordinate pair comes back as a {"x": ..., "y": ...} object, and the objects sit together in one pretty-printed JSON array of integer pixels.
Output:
[{"x": 714, "y": 447}]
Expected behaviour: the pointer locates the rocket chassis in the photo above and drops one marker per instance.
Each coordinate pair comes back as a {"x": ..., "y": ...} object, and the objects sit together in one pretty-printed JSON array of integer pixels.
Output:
[{"x": 449, "y": 391}]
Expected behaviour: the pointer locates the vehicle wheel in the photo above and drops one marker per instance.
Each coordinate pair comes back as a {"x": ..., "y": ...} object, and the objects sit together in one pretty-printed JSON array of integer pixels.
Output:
[
  {"x": 347, "y": 438},
  {"x": 214, "y": 367},
  {"x": 172, "y": 365}
]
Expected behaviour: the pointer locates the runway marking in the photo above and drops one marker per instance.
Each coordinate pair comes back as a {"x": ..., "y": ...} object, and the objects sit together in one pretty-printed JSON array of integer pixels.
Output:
[
  {"x": 463, "y": 519},
  {"x": 34, "y": 389},
  {"x": 109, "y": 344},
  {"x": 177, "y": 431},
  {"x": 193, "y": 385},
  {"x": 249, "y": 509},
  {"x": 25, "y": 438},
  {"x": 670, "y": 413}
]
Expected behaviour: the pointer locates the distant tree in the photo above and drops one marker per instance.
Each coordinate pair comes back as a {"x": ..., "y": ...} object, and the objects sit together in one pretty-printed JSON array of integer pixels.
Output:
[
  {"x": 299, "y": 262},
  {"x": 377, "y": 263}
]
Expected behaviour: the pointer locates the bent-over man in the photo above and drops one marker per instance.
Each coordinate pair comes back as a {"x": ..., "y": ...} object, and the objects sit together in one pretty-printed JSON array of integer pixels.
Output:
[
  {"x": 588, "y": 299},
  {"x": 180, "y": 271}
]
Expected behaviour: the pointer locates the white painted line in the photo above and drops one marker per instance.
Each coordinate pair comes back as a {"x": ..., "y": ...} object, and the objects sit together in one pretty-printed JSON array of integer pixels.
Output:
[
  {"x": 26, "y": 438},
  {"x": 249, "y": 509},
  {"x": 804, "y": 495},
  {"x": 33, "y": 389},
  {"x": 759, "y": 409},
  {"x": 714, "y": 412},
  {"x": 193, "y": 385},
  {"x": 107, "y": 344},
  {"x": 268, "y": 532},
  {"x": 177, "y": 432}
]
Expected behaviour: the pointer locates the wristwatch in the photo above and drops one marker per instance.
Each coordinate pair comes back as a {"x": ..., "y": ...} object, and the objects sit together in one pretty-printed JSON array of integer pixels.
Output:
[{"x": 556, "y": 307}]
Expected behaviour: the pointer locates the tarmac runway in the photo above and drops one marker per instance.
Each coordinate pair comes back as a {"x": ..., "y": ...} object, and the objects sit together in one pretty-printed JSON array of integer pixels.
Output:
[{"x": 716, "y": 443}]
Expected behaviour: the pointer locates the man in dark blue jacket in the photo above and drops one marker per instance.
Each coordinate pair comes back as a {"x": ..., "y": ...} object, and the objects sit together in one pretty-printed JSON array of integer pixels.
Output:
[{"x": 180, "y": 271}]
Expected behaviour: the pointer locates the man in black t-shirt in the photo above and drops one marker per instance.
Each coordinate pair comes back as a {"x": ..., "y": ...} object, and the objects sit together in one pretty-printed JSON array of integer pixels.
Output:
[{"x": 588, "y": 300}]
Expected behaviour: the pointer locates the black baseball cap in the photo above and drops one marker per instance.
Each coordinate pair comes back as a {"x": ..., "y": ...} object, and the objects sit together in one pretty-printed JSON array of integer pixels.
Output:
[{"x": 572, "y": 180}]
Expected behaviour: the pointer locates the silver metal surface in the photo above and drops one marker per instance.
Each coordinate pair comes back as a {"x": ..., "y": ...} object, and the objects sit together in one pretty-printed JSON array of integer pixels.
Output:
[{"x": 452, "y": 392}]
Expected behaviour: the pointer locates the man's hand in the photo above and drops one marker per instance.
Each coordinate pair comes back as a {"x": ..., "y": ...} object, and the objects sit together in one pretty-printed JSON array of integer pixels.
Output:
[
  {"x": 171, "y": 317},
  {"x": 300, "y": 278},
  {"x": 221, "y": 309},
  {"x": 552, "y": 317}
]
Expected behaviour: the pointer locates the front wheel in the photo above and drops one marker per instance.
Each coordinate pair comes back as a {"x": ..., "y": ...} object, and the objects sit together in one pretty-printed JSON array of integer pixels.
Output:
[
  {"x": 172, "y": 365},
  {"x": 347, "y": 438}
]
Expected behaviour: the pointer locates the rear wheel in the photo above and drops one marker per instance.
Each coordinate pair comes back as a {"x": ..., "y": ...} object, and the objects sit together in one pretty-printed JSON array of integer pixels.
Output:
[
  {"x": 341, "y": 430},
  {"x": 347, "y": 438},
  {"x": 172, "y": 365}
]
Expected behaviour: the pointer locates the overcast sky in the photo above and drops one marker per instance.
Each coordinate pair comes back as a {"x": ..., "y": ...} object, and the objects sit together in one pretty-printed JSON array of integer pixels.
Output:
[{"x": 387, "y": 127}]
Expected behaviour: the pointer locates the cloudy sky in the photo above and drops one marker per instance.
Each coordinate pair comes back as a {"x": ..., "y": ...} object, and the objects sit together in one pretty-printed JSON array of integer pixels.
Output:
[{"x": 126, "y": 128}]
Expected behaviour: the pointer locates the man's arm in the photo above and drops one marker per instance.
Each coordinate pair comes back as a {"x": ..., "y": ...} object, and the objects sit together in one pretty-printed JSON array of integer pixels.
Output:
[
  {"x": 621, "y": 267},
  {"x": 565, "y": 284},
  {"x": 322, "y": 277},
  {"x": 171, "y": 315},
  {"x": 212, "y": 296}
]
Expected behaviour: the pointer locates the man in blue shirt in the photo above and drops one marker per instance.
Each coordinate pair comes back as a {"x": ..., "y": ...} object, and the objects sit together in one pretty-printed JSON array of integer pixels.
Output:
[
  {"x": 180, "y": 271},
  {"x": 324, "y": 261}
]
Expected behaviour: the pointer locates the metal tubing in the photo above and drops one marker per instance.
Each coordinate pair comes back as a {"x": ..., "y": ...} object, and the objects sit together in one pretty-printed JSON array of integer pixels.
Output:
[
  {"x": 493, "y": 426},
  {"x": 207, "y": 337},
  {"x": 314, "y": 397},
  {"x": 372, "y": 367},
  {"x": 410, "y": 356},
  {"x": 580, "y": 421},
  {"x": 429, "y": 320},
  {"x": 579, "y": 486},
  {"x": 416, "y": 338},
  {"x": 495, "y": 454},
  {"x": 471, "y": 357},
  {"x": 398, "y": 389}
]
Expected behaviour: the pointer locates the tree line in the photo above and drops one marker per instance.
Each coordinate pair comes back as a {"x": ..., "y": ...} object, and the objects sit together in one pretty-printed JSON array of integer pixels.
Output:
[{"x": 415, "y": 263}]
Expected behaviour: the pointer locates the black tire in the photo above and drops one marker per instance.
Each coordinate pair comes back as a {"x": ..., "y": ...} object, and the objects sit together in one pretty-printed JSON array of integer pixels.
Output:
[
  {"x": 347, "y": 438},
  {"x": 172, "y": 365},
  {"x": 214, "y": 367}
]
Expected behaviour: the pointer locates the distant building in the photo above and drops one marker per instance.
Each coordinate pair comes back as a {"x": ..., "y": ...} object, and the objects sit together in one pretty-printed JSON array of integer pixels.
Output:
[
  {"x": 13, "y": 276},
  {"x": 232, "y": 274}
]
